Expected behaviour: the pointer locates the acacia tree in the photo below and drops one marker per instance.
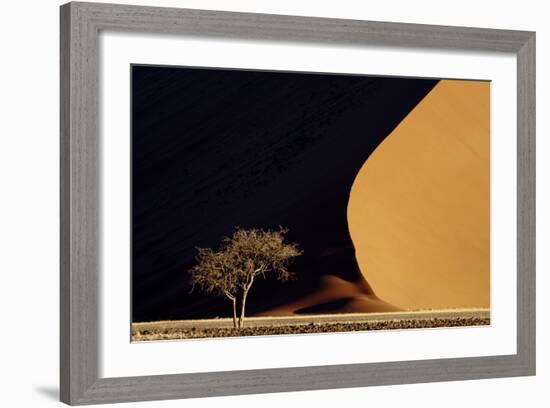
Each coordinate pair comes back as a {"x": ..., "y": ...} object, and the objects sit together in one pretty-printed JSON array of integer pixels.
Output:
[{"x": 246, "y": 255}]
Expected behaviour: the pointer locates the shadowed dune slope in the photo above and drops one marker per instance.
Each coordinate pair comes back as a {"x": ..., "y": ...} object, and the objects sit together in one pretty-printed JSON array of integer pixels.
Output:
[
  {"x": 213, "y": 149},
  {"x": 419, "y": 208}
]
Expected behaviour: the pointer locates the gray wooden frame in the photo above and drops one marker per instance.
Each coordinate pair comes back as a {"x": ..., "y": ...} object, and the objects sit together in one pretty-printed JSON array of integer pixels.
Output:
[{"x": 80, "y": 25}]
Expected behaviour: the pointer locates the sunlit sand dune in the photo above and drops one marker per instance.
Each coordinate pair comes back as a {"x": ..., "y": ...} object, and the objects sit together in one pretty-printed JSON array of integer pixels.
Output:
[
  {"x": 418, "y": 213},
  {"x": 419, "y": 208}
]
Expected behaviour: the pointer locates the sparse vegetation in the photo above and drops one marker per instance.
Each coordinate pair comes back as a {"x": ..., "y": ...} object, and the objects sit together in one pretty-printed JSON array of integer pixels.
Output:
[{"x": 140, "y": 333}]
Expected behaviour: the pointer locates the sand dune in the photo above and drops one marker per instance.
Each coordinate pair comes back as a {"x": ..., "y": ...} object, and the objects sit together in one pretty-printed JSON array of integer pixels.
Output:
[
  {"x": 418, "y": 213},
  {"x": 335, "y": 295},
  {"x": 289, "y": 159},
  {"x": 419, "y": 208}
]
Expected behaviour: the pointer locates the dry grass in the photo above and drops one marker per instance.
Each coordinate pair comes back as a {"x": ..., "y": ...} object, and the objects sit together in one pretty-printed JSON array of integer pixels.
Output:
[{"x": 173, "y": 333}]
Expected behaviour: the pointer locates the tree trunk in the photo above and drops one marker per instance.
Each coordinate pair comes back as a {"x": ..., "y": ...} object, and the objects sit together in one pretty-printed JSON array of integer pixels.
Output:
[
  {"x": 243, "y": 307},
  {"x": 243, "y": 304},
  {"x": 234, "y": 301}
]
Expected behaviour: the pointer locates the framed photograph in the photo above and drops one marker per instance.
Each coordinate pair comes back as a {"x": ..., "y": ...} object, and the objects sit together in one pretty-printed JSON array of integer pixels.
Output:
[{"x": 357, "y": 198}]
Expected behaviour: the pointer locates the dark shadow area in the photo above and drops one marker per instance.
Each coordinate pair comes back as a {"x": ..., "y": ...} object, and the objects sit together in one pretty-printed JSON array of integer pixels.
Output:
[
  {"x": 327, "y": 307},
  {"x": 213, "y": 149}
]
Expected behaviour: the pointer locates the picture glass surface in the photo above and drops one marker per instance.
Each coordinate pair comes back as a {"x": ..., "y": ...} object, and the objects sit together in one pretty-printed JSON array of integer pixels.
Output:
[{"x": 270, "y": 202}]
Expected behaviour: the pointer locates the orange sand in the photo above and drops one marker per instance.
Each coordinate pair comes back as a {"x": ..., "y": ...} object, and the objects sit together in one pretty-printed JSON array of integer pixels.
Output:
[{"x": 419, "y": 208}]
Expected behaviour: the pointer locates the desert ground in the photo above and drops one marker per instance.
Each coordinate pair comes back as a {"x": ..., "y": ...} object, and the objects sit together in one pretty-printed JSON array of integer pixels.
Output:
[{"x": 264, "y": 325}]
